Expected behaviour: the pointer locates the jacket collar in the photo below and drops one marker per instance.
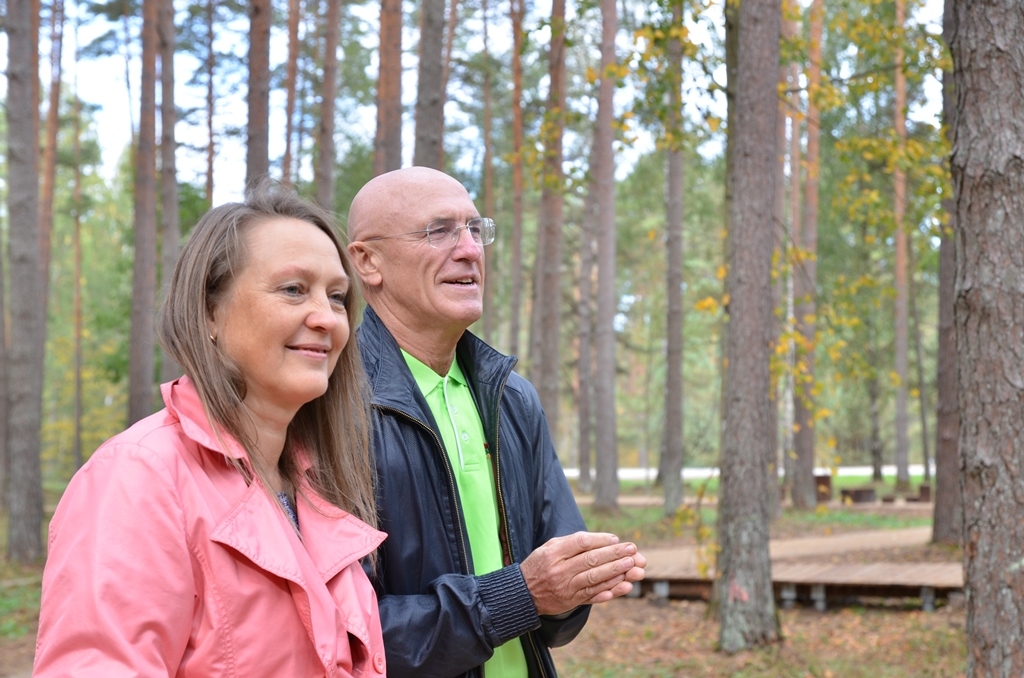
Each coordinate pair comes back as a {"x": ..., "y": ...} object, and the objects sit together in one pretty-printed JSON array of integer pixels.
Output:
[
  {"x": 254, "y": 525},
  {"x": 391, "y": 381}
]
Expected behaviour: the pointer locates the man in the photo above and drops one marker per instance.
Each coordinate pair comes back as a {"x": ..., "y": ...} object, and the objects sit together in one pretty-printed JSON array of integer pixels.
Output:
[{"x": 487, "y": 564}]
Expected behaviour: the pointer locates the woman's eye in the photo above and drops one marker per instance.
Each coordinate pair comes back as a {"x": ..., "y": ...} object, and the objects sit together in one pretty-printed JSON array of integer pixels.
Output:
[{"x": 339, "y": 298}]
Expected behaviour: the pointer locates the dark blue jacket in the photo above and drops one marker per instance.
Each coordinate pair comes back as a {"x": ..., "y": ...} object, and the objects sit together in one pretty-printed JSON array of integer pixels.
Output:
[{"x": 439, "y": 618}]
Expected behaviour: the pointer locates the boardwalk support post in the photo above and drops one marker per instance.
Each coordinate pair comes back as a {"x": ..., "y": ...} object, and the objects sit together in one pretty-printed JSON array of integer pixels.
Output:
[
  {"x": 927, "y": 598},
  {"x": 788, "y": 595},
  {"x": 636, "y": 591},
  {"x": 818, "y": 596}
]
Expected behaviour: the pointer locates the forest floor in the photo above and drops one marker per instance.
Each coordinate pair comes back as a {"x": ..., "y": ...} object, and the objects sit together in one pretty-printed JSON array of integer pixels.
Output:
[{"x": 873, "y": 638}]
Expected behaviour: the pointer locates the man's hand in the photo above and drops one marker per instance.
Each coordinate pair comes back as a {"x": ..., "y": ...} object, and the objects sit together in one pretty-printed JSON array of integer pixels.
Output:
[{"x": 580, "y": 569}]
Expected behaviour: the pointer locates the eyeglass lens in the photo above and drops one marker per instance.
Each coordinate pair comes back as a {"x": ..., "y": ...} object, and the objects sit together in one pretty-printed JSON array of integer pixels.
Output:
[{"x": 445, "y": 233}]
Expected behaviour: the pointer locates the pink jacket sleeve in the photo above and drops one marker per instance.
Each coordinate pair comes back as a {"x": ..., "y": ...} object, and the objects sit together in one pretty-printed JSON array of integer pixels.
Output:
[{"x": 119, "y": 587}]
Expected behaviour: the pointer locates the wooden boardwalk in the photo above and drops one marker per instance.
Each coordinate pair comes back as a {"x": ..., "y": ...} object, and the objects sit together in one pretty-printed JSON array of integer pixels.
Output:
[{"x": 688, "y": 573}]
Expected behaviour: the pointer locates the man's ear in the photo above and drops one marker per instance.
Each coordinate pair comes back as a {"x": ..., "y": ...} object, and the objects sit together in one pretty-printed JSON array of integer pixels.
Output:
[{"x": 366, "y": 262}]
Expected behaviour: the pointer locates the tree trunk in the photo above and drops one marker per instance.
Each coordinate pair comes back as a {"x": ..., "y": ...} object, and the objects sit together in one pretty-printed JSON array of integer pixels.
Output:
[
  {"x": 806, "y": 284},
  {"x": 585, "y": 366},
  {"x": 387, "y": 146},
  {"x": 171, "y": 226},
  {"x": 488, "y": 176},
  {"x": 50, "y": 151},
  {"x": 921, "y": 396},
  {"x": 290, "y": 82},
  {"x": 25, "y": 376},
  {"x": 140, "y": 354},
  {"x": 732, "y": 37},
  {"x": 325, "y": 140},
  {"x": 210, "y": 139},
  {"x": 257, "y": 154},
  {"x": 988, "y": 184},
  {"x": 446, "y": 69},
  {"x": 517, "y": 10},
  {"x": 429, "y": 100},
  {"x": 607, "y": 454},
  {"x": 76, "y": 438},
  {"x": 672, "y": 437},
  {"x": 547, "y": 294},
  {"x": 899, "y": 211},
  {"x": 744, "y": 593},
  {"x": 947, "y": 526}
]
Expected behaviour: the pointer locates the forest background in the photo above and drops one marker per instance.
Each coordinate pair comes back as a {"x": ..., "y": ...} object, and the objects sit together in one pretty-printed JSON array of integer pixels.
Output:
[
  {"x": 856, "y": 383},
  {"x": 726, "y": 234}
]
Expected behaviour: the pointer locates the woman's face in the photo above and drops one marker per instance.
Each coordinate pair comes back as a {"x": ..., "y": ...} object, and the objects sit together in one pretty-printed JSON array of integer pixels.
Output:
[{"x": 284, "y": 322}]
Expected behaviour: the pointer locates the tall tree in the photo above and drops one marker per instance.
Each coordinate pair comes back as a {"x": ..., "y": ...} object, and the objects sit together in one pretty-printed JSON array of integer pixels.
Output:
[
  {"x": 211, "y": 147},
  {"x": 257, "y": 153},
  {"x": 446, "y": 69},
  {"x": 744, "y": 593},
  {"x": 585, "y": 358},
  {"x": 547, "y": 294},
  {"x": 143, "y": 341},
  {"x": 25, "y": 377},
  {"x": 672, "y": 442},
  {"x": 50, "y": 150},
  {"x": 325, "y": 138},
  {"x": 429, "y": 100},
  {"x": 607, "y": 453},
  {"x": 517, "y": 11},
  {"x": 948, "y": 516},
  {"x": 387, "y": 154},
  {"x": 922, "y": 398},
  {"x": 899, "y": 214},
  {"x": 488, "y": 169},
  {"x": 988, "y": 185},
  {"x": 170, "y": 231},
  {"x": 290, "y": 84},
  {"x": 806, "y": 280},
  {"x": 76, "y": 246}
]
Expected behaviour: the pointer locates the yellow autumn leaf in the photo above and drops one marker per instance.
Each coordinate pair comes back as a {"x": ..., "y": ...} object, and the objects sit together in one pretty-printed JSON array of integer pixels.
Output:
[{"x": 709, "y": 304}]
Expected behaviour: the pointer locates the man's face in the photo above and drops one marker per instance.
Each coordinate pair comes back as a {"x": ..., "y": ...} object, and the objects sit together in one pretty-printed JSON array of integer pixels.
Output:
[{"x": 431, "y": 287}]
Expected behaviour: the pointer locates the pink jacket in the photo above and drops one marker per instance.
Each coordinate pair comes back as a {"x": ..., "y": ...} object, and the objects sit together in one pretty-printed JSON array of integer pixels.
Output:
[{"x": 162, "y": 562}]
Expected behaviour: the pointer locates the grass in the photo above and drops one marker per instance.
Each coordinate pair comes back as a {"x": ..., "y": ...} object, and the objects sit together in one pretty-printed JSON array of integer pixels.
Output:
[{"x": 19, "y": 598}]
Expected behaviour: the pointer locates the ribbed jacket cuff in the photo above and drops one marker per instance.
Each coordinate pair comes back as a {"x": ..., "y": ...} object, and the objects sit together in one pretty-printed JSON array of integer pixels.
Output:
[{"x": 509, "y": 603}]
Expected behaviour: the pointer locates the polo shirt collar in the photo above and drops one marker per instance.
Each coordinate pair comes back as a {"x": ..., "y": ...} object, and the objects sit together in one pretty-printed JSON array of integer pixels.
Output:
[{"x": 426, "y": 378}]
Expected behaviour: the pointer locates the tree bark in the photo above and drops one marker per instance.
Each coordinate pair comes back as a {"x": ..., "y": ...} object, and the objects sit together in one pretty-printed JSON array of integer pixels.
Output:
[
  {"x": 50, "y": 151},
  {"x": 429, "y": 101},
  {"x": 290, "y": 83},
  {"x": 988, "y": 185},
  {"x": 547, "y": 294},
  {"x": 606, "y": 495},
  {"x": 387, "y": 154},
  {"x": 672, "y": 437},
  {"x": 947, "y": 524},
  {"x": 25, "y": 376},
  {"x": 143, "y": 343},
  {"x": 806, "y": 283},
  {"x": 794, "y": 230},
  {"x": 899, "y": 212},
  {"x": 517, "y": 10},
  {"x": 744, "y": 592},
  {"x": 257, "y": 154},
  {"x": 171, "y": 223},
  {"x": 329, "y": 89}
]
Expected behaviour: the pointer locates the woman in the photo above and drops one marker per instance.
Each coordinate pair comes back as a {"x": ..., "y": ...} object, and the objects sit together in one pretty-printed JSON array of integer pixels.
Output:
[{"x": 222, "y": 536}]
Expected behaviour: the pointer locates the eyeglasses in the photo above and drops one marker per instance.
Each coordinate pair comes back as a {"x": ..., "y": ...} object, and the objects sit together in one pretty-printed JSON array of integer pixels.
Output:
[{"x": 444, "y": 233}]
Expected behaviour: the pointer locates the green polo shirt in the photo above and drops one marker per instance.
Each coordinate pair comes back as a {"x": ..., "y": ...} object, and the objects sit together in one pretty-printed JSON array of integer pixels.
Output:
[{"x": 451, "y": 403}]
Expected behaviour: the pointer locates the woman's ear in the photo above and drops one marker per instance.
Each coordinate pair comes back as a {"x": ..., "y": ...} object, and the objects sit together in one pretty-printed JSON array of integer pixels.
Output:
[{"x": 366, "y": 261}]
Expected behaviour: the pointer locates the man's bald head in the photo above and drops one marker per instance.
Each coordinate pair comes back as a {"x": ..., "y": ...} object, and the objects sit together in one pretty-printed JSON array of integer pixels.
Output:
[{"x": 385, "y": 204}]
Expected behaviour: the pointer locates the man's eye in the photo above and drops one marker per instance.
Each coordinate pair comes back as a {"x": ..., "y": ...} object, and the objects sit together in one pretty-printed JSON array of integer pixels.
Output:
[
  {"x": 292, "y": 289},
  {"x": 442, "y": 228}
]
